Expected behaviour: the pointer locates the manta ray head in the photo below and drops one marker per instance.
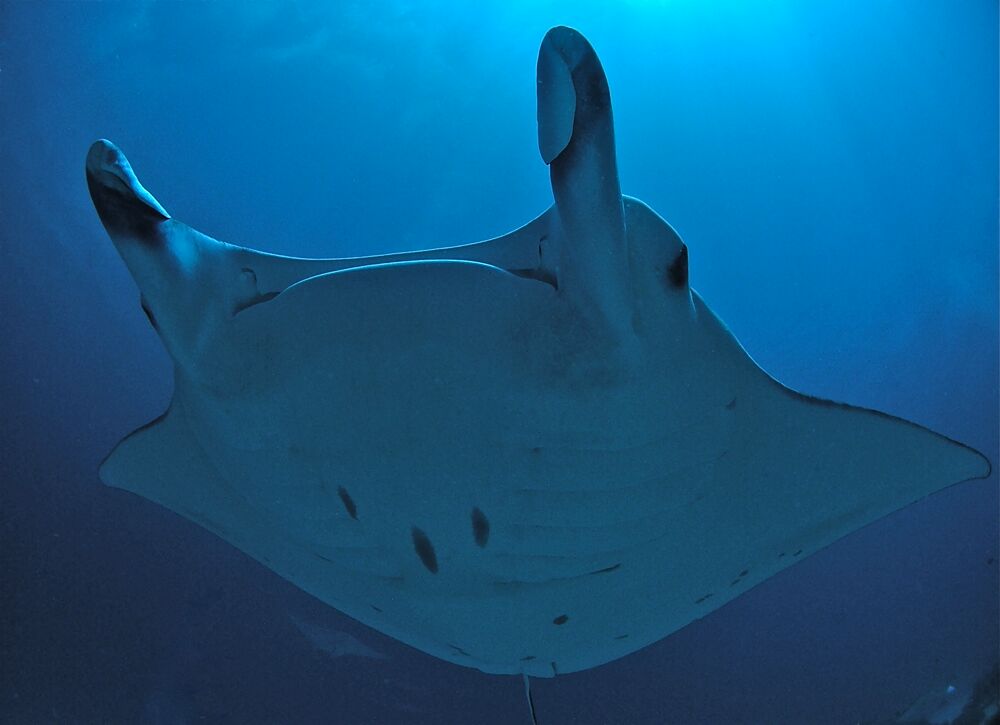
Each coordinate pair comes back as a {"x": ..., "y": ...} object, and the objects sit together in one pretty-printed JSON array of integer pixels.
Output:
[
  {"x": 619, "y": 270},
  {"x": 186, "y": 286}
]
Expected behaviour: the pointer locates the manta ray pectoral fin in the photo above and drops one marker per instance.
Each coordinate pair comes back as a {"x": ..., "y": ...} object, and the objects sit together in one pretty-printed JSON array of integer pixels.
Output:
[
  {"x": 831, "y": 468},
  {"x": 160, "y": 461},
  {"x": 576, "y": 139},
  {"x": 164, "y": 462}
]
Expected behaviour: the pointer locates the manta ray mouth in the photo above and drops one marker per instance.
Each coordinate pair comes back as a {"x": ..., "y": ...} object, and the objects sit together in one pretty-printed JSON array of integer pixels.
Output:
[{"x": 538, "y": 272}]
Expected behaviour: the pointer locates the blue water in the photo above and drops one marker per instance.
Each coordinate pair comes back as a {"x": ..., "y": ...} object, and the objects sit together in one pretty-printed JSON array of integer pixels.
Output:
[{"x": 832, "y": 167}]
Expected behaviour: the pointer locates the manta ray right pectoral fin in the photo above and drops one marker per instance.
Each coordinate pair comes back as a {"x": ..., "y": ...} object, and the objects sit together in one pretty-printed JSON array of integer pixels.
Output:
[
  {"x": 832, "y": 468},
  {"x": 576, "y": 139}
]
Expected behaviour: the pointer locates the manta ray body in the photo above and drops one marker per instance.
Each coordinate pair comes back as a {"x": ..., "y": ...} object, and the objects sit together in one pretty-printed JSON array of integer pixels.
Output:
[{"x": 530, "y": 455}]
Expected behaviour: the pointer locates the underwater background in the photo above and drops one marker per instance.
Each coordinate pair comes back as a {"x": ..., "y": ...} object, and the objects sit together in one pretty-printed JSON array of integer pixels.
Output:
[{"x": 831, "y": 165}]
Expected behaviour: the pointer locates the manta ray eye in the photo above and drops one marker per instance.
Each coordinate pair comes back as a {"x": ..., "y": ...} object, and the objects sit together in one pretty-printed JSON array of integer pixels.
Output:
[
  {"x": 247, "y": 295},
  {"x": 677, "y": 272}
]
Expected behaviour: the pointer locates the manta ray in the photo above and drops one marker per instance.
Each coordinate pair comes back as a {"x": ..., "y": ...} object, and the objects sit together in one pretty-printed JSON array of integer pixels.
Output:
[{"x": 529, "y": 455}]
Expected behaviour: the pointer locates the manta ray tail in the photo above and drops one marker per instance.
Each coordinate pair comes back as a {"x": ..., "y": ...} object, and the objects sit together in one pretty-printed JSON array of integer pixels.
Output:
[{"x": 531, "y": 702}]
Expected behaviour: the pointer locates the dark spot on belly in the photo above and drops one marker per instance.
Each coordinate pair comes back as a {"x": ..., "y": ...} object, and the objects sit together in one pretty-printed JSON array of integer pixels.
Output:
[
  {"x": 349, "y": 504},
  {"x": 528, "y": 658},
  {"x": 376, "y": 609},
  {"x": 677, "y": 272},
  {"x": 322, "y": 558},
  {"x": 744, "y": 572},
  {"x": 480, "y": 527},
  {"x": 622, "y": 636},
  {"x": 422, "y": 545},
  {"x": 797, "y": 552},
  {"x": 731, "y": 404},
  {"x": 561, "y": 619}
]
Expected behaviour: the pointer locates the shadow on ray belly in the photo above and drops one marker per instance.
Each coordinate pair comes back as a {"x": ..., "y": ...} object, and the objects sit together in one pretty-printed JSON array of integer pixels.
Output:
[{"x": 534, "y": 454}]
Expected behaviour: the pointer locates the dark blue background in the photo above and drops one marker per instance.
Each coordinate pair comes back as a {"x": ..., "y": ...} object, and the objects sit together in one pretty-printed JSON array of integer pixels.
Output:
[{"x": 831, "y": 165}]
